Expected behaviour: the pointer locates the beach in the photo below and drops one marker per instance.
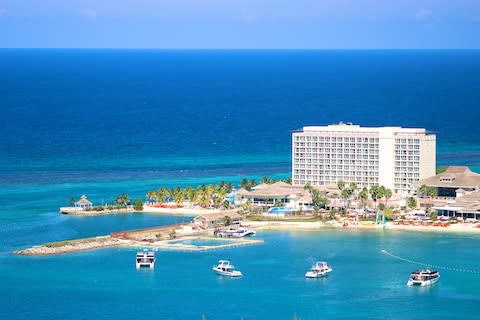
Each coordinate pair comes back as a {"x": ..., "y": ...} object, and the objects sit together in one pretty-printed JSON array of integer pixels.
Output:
[{"x": 285, "y": 225}]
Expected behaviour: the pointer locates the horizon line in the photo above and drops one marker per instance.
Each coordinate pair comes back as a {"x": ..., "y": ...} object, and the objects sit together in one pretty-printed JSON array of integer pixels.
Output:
[{"x": 242, "y": 49}]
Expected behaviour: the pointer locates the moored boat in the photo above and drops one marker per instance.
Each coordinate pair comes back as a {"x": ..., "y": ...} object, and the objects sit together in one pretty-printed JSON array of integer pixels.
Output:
[
  {"x": 145, "y": 259},
  {"x": 224, "y": 268},
  {"x": 236, "y": 233},
  {"x": 319, "y": 269},
  {"x": 243, "y": 232},
  {"x": 423, "y": 278}
]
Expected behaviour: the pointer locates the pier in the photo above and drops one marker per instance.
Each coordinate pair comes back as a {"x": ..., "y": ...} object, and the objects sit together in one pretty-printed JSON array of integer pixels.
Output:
[{"x": 171, "y": 237}]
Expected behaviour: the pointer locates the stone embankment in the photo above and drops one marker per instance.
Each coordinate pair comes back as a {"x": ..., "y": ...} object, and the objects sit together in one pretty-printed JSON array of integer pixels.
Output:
[
  {"x": 76, "y": 212},
  {"x": 60, "y": 247}
]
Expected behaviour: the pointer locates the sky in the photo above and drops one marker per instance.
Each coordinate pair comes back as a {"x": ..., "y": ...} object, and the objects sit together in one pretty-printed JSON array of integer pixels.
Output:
[{"x": 241, "y": 24}]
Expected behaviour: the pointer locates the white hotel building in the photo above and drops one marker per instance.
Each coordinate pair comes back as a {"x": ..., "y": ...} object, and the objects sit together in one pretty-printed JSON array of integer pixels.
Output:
[{"x": 394, "y": 157}]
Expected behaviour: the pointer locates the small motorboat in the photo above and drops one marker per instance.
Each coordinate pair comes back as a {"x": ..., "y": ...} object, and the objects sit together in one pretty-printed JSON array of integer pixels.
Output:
[
  {"x": 236, "y": 233},
  {"x": 319, "y": 269},
  {"x": 145, "y": 259},
  {"x": 423, "y": 278},
  {"x": 224, "y": 268},
  {"x": 243, "y": 232}
]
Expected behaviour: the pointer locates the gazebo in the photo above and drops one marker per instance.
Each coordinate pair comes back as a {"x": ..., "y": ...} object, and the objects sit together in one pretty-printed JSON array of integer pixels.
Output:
[{"x": 83, "y": 203}]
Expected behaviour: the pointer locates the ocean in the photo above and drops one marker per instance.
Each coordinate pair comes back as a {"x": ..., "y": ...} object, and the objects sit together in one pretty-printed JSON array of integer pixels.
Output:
[{"x": 104, "y": 122}]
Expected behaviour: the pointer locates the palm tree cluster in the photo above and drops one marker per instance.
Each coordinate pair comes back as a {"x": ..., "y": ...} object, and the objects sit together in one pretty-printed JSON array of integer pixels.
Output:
[
  {"x": 346, "y": 191},
  {"x": 248, "y": 184},
  {"x": 426, "y": 191},
  {"x": 122, "y": 200},
  {"x": 376, "y": 192},
  {"x": 211, "y": 195},
  {"x": 318, "y": 200},
  {"x": 379, "y": 192}
]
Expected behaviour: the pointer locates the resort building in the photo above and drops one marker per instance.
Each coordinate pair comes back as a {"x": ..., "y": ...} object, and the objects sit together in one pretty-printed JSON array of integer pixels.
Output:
[
  {"x": 269, "y": 194},
  {"x": 394, "y": 157},
  {"x": 454, "y": 182},
  {"x": 213, "y": 220},
  {"x": 284, "y": 194},
  {"x": 466, "y": 206}
]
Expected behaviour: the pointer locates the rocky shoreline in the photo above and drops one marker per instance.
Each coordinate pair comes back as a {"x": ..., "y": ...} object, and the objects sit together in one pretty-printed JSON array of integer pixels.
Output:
[
  {"x": 73, "y": 212},
  {"x": 70, "y": 246}
]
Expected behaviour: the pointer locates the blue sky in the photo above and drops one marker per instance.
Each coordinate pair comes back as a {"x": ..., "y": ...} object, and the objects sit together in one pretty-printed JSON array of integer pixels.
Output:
[{"x": 243, "y": 24}]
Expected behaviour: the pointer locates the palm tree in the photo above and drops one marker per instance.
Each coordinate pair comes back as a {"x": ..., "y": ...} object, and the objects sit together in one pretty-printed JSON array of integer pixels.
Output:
[
  {"x": 245, "y": 183},
  {"x": 288, "y": 180},
  {"x": 376, "y": 193},
  {"x": 122, "y": 200},
  {"x": 162, "y": 194},
  {"x": 346, "y": 193},
  {"x": 266, "y": 180},
  {"x": 189, "y": 194},
  {"x": 222, "y": 192},
  {"x": 411, "y": 202},
  {"x": 229, "y": 187},
  {"x": 363, "y": 197},
  {"x": 217, "y": 200},
  {"x": 318, "y": 200},
  {"x": 203, "y": 199},
  {"x": 151, "y": 195},
  {"x": 387, "y": 194},
  {"x": 432, "y": 192},
  {"x": 340, "y": 185},
  {"x": 352, "y": 186},
  {"x": 178, "y": 195},
  {"x": 423, "y": 190}
]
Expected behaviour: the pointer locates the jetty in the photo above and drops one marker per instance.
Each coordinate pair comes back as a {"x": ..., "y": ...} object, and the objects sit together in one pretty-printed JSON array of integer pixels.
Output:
[{"x": 172, "y": 237}]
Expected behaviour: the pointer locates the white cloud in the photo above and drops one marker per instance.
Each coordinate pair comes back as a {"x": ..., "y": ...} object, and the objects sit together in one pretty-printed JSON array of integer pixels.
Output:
[
  {"x": 3, "y": 11},
  {"x": 423, "y": 13},
  {"x": 88, "y": 13}
]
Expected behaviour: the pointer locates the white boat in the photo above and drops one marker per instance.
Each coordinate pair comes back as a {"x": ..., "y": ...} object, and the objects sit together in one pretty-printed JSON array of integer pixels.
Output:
[
  {"x": 237, "y": 233},
  {"x": 145, "y": 259},
  {"x": 423, "y": 278},
  {"x": 319, "y": 269},
  {"x": 224, "y": 268},
  {"x": 243, "y": 232}
]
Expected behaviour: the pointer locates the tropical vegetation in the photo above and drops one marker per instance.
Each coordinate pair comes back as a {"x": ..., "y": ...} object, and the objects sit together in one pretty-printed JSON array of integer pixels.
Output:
[
  {"x": 426, "y": 191},
  {"x": 318, "y": 200},
  {"x": 211, "y": 195}
]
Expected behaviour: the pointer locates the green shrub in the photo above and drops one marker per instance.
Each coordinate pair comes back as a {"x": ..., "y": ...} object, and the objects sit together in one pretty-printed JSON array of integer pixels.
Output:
[{"x": 138, "y": 205}]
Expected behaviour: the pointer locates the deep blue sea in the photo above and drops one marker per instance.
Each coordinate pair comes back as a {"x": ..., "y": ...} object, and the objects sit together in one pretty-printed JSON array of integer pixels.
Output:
[{"x": 104, "y": 122}]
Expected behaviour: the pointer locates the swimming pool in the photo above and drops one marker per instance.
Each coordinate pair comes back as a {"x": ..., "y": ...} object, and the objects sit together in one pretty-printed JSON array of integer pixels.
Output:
[{"x": 280, "y": 210}]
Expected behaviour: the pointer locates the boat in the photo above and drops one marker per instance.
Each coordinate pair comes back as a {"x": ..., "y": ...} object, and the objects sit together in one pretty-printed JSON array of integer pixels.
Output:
[
  {"x": 145, "y": 259},
  {"x": 236, "y": 233},
  {"x": 423, "y": 278},
  {"x": 319, "y": 269},
  {"x": 243, "y": 232},
  {"x": 224, "y": 268}
]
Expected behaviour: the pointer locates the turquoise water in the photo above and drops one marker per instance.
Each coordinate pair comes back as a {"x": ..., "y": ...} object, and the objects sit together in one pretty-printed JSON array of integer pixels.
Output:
[
  {"x": 365, "y": 283},
  {"x": 104, "y": 122}
]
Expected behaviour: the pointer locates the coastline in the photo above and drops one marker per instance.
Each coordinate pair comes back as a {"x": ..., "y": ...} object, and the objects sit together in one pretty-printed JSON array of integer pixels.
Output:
[
  {"x": 145, "y": 237},
  {"x": 463, "y": 228}
]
